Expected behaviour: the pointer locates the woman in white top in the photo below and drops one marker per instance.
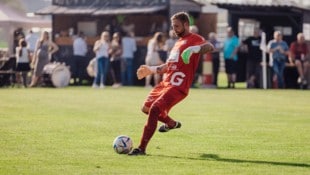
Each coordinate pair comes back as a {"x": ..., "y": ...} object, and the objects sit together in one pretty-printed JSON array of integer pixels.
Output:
[
  {"x": 101, "y": 49},
  {"x": 152, "y": 56},
  {"x": 22, "y": 62}
]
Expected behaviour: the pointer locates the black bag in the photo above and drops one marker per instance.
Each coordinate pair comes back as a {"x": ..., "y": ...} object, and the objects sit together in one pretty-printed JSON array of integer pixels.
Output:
[{"x": 5, "y": 75}]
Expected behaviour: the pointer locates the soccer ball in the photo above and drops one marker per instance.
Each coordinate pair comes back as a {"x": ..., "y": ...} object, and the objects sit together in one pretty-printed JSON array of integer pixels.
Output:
[{"x": 122, "y": 144}]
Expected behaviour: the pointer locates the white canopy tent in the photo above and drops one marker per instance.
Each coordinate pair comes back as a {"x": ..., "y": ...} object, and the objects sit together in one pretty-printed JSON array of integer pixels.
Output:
[{"x": 10, "y": 20}]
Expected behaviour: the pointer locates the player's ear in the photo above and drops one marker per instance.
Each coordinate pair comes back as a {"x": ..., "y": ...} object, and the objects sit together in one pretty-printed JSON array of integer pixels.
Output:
[{"x": 186, "y": 24}]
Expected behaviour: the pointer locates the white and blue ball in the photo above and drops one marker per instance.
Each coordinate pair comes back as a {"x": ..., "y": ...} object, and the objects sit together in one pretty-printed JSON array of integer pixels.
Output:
[{"x": 122, "y": 144}]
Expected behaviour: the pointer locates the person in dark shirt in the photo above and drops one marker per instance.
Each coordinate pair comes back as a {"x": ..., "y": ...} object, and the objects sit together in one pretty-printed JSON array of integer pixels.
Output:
[
  {"x": 254, "y": 58},
  {"x": 215, "y": 57}
]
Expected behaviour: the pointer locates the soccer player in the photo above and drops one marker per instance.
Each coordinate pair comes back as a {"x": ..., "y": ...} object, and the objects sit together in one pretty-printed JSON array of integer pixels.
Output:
[{"x": 180, "y": 68}]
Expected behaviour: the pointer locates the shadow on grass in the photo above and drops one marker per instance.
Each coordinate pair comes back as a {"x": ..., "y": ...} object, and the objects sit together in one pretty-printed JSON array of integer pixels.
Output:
[{"x": 215, "y": 157}]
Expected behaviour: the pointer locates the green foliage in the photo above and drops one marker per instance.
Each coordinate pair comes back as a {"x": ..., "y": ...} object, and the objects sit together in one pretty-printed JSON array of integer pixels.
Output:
[
  {"x": 191, "y": 20},
  {"x": 70, "y": 131}
]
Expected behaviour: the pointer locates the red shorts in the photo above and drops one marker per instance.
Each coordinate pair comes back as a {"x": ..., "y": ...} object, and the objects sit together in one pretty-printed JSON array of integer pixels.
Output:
[{"x": 164, "y": 97}]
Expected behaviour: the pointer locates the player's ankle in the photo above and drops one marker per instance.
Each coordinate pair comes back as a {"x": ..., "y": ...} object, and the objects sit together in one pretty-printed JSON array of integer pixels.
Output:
[
  {"x": 141, "y": 149},
  {"x": 171, "y": 124}
]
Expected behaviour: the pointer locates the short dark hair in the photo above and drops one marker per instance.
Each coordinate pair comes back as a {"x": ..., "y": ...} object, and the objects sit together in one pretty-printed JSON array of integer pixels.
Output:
[
  {"x": 22, "y": 42},
  {"x": 158, "y": 36},
  {"x": 182, "y": 16},
  {"x": 81, "y": 34}
]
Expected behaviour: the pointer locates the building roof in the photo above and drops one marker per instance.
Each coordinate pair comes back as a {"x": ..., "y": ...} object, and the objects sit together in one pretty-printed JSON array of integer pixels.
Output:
[
  {"x": 259, "y": 4},
  {"x": 32, "y": 6},
  {"x": 109, "y": 11},
  {"x": 104, "y": 7},
  {"x": 56, "y": 9},
  {"x": 112, "y": 7}
]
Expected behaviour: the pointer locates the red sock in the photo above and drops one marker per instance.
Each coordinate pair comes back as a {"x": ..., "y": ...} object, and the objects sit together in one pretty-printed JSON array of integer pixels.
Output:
[
  {"x": 164, "y": 118},
  {"x": 149, "y": 127}
]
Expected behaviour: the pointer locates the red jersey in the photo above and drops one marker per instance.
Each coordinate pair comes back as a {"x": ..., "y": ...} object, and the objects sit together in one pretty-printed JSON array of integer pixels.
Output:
[
  {"x": 179, "y": 74},
  {"x": 297, "y": 49}
]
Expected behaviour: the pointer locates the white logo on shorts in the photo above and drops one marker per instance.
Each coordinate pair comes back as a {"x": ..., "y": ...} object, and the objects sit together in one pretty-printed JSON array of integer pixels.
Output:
[{"x": 177, "y": 78}]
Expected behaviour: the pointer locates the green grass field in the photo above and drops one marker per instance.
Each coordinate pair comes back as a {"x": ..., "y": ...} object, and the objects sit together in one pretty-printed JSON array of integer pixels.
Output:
[
  {"x": 70, "y": 131},
  {"x": 3, "y": 44}
]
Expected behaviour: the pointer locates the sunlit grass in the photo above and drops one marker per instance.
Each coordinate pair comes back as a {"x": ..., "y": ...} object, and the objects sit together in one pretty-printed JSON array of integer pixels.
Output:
[{"x": 70, "y": 131}]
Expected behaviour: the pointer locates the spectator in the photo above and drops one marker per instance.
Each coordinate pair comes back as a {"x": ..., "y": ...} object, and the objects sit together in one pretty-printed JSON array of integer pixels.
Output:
[
  {"x": 79, "y": 58},
  {"x": 152, "y": 57},
  {"x": 129, "y": 47},
  {"x": 278, "y": 50},
  {"x": 193, "y": 29},
  {"x": 231, "y": 46},
  {"x": 215, "y": 56},
  {"x": 115, "y": 52},
  {"x": 198, "y": 73},
  {"x": 44, "y": 48},
  {"x": 18, "y": 34},
  {"x": 299, "y": 52},
  {"x": 170, "y": 41},
  {"x": 101, "y": 49},
  {"x": 31, "y": 40},
  {"x": 254, "y": 58},
  {"x": 22, "y": 60}
]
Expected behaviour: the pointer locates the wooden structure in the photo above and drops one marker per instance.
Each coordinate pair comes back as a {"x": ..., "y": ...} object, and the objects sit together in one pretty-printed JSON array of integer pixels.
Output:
[
  {"x": 285, "y": 16},
  {"x": 143, "y": 17}
]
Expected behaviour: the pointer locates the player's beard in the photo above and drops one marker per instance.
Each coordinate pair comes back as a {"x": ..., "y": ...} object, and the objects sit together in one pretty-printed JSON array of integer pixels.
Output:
[{"x": 180, "y": 34}]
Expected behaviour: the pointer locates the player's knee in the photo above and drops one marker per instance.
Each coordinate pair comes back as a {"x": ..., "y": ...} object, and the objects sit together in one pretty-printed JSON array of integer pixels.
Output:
[
  {"x": 298, "y": 63},
  {"x": 155, "y": 109},
  {"x": 145, "y": 110}
]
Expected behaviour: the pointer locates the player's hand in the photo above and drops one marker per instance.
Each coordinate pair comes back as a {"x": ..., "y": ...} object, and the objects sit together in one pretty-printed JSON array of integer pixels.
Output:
[
  {"x": 144, "y": 71},
  {"x": 302, "y": 57},
  {"x": 187, "y": 53}
]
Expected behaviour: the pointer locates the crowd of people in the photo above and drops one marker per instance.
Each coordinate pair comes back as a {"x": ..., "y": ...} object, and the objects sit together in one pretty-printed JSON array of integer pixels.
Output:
[
  {"x": 114, "y": 56},
  {"x": 117, "y": 56},
  {"x": 280, "y": 56},
  {"x": 32, "y": 55}
]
